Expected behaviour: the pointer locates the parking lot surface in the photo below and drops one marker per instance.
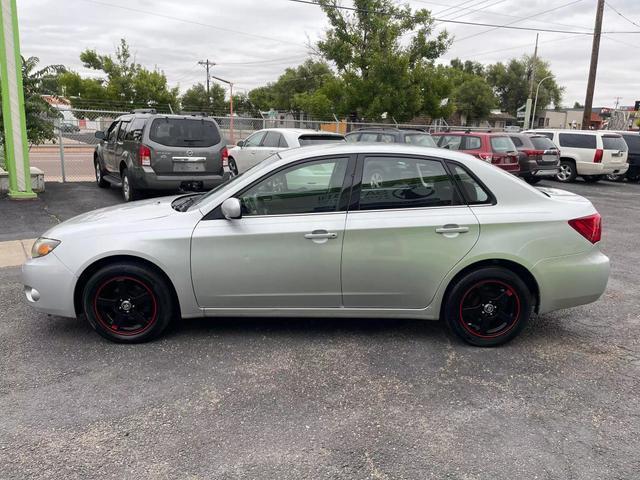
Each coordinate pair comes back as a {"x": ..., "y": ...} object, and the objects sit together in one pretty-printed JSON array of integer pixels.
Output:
[{"x": 382, "y": 399}]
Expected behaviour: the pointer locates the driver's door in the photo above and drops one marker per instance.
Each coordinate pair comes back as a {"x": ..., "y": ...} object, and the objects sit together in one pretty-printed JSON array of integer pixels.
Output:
[
  {"x": 109, "y": 151},
  {"x": 285, "y": 250},
  {"x": 245, "y": 155}
]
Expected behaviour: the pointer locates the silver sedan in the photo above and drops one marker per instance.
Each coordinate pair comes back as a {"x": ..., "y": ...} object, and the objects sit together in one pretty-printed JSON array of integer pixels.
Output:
[{"x": 439, "y": 234}]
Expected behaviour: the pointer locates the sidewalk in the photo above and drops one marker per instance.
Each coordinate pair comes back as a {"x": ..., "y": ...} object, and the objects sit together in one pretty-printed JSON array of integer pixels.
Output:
[{"x": 15, "y": 252}]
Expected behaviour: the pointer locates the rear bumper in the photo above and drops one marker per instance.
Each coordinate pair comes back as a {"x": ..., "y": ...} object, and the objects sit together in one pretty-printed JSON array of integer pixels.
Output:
[
  {"x": 533, "y": 169},
  {"x": 49, "y": 285},
  {"x": 509, "y": 167},
  {"x": 587, "y": 168},
  {"x": 571, "y": 280},
  {"x": 147, "y": 179}
]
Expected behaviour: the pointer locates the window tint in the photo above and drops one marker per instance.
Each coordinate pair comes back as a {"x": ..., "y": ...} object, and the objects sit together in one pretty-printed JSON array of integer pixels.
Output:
[
  {"x": 318, "y": 139},
  {"x": 421, "y": 139},
  {"x": 255, "y": 139},
  {"x": 450, "y": 142},
  {"x": 395, "y": 182},
  {"x": 135, "y": 129},
  {"x": 577, "y": 140},
  {"x": 613, "y": 142},
  {"x": 473, "y": 191},
  {"x": 633, "y": 142},
  {"x": 369, "y": 137},
  {"x": 516, "y": 141},
  {"x": 271, "y": 140},
  {"x": 549, "y": 135},
  {"x": 113, "y": 131},
  {"x": 184, "y": 132},
  {"x": 543, "y": 143},
  {"x": 502, "y": 144},
  {"x": 312, "y": 187},
  {"x": 124, "y": 128},
  {"x": 473, "y": 143},
  {"x": 387, "y": 138}
]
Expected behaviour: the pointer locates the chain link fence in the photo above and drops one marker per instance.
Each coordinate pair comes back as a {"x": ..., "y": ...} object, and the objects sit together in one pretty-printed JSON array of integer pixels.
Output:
[{"x": 69, "y": 158}]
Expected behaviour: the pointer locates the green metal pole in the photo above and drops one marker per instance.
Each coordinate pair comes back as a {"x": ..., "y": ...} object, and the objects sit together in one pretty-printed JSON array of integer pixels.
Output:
[{"x": 15, "y": 128}]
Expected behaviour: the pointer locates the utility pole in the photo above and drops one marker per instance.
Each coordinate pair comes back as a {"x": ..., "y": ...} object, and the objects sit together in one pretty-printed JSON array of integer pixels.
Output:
[
  {"x": 595, "y": 50},
  {"x": 527, "y": 111},
  {"x": 207, "y": 65},
  {"x": 617, "y": 103}
]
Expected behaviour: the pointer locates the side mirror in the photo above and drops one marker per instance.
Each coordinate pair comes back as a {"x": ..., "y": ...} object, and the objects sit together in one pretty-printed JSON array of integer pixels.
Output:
[
  {"x": 231, "y": 208},
  {"x": 240, "y": 143},
  {"x": 100, "y": 135}
]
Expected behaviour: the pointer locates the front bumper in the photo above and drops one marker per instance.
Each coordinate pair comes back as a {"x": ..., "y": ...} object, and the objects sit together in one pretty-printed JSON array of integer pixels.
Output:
[
  {"x": 49, "y": 285},
  {"x": 571, "y": 280}
]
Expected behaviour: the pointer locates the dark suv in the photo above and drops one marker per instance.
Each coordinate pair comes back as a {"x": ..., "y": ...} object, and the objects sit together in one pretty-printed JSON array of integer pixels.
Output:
[
  {"x": 391, "y": 135},
  {"x": 632, "y": 139},
  {"x": 149, "y": 151},
  {"x": 538, "y": 156}
]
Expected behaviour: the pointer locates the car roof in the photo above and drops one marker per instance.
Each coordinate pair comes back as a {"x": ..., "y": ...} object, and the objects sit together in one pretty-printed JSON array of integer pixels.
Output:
[
  {"x": 462, "y": 133},
  {"x": 301, "y": 131},
  {"x": 570, "y": 130}
]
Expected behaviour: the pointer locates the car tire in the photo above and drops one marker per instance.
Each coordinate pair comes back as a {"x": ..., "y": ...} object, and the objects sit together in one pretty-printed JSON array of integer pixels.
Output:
[
  {"x": 233, "y": 167},
  {"x": 566, "y": 171},
  {"x": 531, "y": 180},
  {"x": 128, "y": 303},
  {"x": 100, "y": 173},
  {"x": 488, "y": 307},
  {"x": 129, "y": 192},
  {"x": 615, "y": 177},
  {"x": 592, "y": 178}
]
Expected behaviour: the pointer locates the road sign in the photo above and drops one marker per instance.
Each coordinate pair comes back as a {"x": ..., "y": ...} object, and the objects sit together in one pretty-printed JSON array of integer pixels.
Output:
[{"x": 15, "y": 131}]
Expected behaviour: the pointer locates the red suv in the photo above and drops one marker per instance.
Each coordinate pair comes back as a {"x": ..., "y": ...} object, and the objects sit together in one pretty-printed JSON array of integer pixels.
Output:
[{"x": 496, "y": 148}]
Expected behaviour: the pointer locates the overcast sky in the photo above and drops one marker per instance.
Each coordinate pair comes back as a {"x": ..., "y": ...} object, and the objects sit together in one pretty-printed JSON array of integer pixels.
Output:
[{"x": 253, "y": 41}]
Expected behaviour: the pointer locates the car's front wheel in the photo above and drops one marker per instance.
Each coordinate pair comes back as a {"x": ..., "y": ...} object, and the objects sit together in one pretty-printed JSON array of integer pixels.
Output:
[
  {"x": 615, "y": 177},
  {"x": 128, "y": 303},
  {"x": 488, "y": 307},
  {"x": 100, "y": 180}
]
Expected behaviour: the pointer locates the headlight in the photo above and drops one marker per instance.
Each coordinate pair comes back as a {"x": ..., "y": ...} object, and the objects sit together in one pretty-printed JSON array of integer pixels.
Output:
[{"x": 43, "y": 246}]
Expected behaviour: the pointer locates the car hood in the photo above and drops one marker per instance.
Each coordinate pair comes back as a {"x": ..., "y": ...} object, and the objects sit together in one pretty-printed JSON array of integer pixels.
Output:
[{"x": 132, "y": 216}]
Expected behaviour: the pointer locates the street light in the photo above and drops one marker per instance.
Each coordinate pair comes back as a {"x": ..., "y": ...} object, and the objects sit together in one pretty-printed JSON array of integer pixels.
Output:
[
  {"x": 230, "y": 105},
  {"x": 535, "y": 103}
]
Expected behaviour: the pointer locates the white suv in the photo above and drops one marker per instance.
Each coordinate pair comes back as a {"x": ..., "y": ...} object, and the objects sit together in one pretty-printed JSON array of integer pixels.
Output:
[{"x": 591, "y": 154}]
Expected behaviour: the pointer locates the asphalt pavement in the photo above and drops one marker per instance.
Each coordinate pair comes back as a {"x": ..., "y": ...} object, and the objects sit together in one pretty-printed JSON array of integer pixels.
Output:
[{"x": 345, "y": 399}]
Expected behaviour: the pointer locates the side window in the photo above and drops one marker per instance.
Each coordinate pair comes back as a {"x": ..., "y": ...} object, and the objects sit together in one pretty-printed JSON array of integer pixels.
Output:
[
  {"x": 352, "y": 138},
  {"x": 516, "y": 141},
  {"x": 386, "y": 138},
  {"x": 473, "y": 143},
  {"x": 283, "y": 143},
  {"x": 124, "y": 127},
  {"x": 113, "y": 131},
  {"x": 369, "y": 137},
  {"x": 271, "y": 140},
  {"x": 474, "y": 192},
  {"x": 577, "y": 140},
  {"x": 398, "y": 182},
  {"x": 450, "y": 142},
  {"x": 134, "y": 132},
  {"x": 311, "y": 187},
  {"x": 254, "y": 140}
]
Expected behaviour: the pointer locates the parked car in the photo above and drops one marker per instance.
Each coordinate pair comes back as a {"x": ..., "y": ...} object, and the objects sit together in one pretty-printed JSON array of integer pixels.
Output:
[
  {"x": 391, "y": 135},
  {"x": 591, "y": 154},
  {"x": 538, "y": 156},
  {"x": 302, "y": 235},
  {"x": 149, "y": 151},
  {"x": 495, "y": 148},
  {"x": 69, "y": 127},
  {"x": 265, "y": 143},
  {"x": 632, "y": 139}
]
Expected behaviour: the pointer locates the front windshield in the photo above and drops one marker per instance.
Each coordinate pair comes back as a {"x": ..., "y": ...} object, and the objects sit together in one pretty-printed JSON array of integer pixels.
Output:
[{"x": 232, "y": 181}]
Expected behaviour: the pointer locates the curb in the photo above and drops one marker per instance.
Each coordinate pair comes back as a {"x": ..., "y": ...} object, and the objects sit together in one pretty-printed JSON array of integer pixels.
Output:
[{"x": 15, "y": 252}]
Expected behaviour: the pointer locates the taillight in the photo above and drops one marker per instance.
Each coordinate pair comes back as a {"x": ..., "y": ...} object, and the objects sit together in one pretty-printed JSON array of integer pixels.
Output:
[
  {"x": 144, "y": 155},
  {"x": 589, "y": 227},
  {"x": 487, "y": 157},
  {"x": 224, "y": 154},
  {"x": 534, "y": 153},
  {"x": 597, "y": 158}
]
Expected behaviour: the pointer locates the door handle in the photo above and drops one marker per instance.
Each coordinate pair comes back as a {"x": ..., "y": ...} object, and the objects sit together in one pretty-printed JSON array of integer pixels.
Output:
[
  {"x": 320, "y": 234},
  {"x": 452, "y": 228}
]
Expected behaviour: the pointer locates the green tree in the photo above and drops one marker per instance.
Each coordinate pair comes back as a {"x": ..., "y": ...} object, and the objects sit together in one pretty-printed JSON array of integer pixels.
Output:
[
  {"x": 577, "y": 105},
  {"x": 126, "y": 83},
  {"x": 196, "y": 99},
  {"x": 510, "y": 83},
  {"x": 381, "y": 51},
  {"x": 474, "y": 98},
  {"x": 39, "y": 113}
]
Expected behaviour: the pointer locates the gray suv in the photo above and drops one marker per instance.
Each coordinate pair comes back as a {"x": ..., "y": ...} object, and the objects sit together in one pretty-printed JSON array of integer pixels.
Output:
[{"x": 145, "y": 151}]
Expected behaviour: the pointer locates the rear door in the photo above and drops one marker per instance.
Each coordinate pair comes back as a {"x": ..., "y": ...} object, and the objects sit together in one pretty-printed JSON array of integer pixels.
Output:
[
  {"x": 403, "y": 235},
  {"x": 184, "y": 146},
  {"x": 615, "y": 150}
]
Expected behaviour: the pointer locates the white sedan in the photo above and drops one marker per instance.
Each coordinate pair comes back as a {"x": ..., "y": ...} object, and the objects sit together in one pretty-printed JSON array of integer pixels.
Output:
[
  {"x": 445, "y": 235},
  {"x": 264, "y": 143}
]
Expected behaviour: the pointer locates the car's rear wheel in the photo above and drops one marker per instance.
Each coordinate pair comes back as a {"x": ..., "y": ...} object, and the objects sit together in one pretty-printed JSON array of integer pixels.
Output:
[
  {"x": 566, "y": 172},
  {"x": 592, "y": 178},
  {"x": 233, "y": 167},
  {"x": 129, "y": 192},
  {"x": 100, "y": 180},
  {"x": 531, "y": 180},
  {"x": 128, "y": 303},
  {"x": 488, "y": 307}
]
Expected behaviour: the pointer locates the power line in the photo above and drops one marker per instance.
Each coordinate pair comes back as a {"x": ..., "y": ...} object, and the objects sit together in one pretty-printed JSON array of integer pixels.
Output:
[
  {"x": 621, "y": 14},
  {"x": 444, "y": 20}
]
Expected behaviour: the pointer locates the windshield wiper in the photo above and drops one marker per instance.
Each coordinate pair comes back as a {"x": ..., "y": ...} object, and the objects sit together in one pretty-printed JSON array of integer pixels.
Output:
[{"x": 182, "y": 204}]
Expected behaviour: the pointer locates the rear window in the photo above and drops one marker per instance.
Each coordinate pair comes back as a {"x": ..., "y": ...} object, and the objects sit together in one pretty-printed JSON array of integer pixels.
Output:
[
  {"x": 633, "y": 142},
  {"x": 612, "y": 142},
  {"x": 473, "y": 143},
  {"x": 421, "y": 139},
  {"x": 577, "y": 140},
  {"x": 542, "y": 143},
  {"x": 318, "y": 139},
  {"x": 502, "y": 144},
  {"x": 184, "y": 132}
]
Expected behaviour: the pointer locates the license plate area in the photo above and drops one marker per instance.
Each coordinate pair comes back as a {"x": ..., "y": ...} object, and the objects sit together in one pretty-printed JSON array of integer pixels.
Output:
[
  {"x": 189, "y": 164},
  {"x": 549, "y": 158}
]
